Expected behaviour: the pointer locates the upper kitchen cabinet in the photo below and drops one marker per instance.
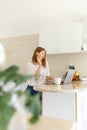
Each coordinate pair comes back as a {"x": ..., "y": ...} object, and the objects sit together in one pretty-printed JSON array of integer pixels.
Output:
[
  {"x": 48, "y": 38},
  {"x": 84, "y": 36},
  {"x": 70, "y": 37},
  {"x": 65, "y": 38}
]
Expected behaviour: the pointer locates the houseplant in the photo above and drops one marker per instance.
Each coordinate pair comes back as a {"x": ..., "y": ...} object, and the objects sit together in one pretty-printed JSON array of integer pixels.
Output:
[{"x": 11, "y": 82}]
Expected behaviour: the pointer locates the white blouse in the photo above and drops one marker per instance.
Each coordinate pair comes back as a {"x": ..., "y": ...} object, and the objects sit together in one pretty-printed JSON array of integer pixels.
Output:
[{"x": 32, "y": 68}]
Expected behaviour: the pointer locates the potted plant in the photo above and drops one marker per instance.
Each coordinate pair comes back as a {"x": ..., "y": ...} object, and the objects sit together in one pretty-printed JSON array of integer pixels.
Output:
[{"x": 11, "y": 83}]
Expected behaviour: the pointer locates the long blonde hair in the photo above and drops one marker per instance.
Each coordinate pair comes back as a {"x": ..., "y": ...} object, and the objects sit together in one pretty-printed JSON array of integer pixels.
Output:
[{"x": 34, "y": 57}]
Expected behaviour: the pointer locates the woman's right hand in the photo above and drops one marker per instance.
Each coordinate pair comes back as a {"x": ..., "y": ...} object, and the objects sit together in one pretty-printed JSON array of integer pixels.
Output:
[{"x": 39, "y": 61}]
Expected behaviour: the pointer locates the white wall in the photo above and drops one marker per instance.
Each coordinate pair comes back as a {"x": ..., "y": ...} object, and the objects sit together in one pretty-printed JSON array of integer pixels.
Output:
[
  {"x": 21, "y": 17},
  {"x": 19, "y": 51},
  {"x": 59, "y": 63}
]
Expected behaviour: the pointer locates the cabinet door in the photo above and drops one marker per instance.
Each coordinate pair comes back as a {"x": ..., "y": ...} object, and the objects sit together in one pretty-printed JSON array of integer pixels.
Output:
[
  {"x": 82, "y": 110},
  {"x": 84, "y": 36},
  {"x": 70, "y": 39},
  {"x": 58, "y": 105},
  {"x": 48, "y": 38}
]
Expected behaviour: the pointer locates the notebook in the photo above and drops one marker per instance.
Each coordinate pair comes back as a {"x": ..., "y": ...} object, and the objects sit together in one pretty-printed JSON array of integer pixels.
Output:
[{"x": 69, "y": 76}]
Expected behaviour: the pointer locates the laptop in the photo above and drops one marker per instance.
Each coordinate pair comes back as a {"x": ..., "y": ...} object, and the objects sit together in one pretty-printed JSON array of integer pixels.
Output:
[{"x": 68, "y": 78}]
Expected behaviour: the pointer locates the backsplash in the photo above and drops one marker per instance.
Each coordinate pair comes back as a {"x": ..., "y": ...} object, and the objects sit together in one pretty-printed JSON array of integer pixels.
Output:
[
  {"x": 59, "y": 63},
  {"x": 19, "y": 51}
]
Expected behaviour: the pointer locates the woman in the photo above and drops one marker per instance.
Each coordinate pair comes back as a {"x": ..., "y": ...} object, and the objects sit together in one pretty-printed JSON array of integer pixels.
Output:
[{"x": 38, "y": 67}]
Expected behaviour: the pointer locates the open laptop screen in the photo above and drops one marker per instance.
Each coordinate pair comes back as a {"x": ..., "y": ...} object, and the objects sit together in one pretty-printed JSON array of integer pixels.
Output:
[{"x": 69, "y": 76}]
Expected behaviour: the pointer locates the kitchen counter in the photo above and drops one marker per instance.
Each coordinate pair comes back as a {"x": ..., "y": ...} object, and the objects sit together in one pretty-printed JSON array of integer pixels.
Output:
[
  {"x": 67, "y": 102},
  {"x": 75, "y": 86}
]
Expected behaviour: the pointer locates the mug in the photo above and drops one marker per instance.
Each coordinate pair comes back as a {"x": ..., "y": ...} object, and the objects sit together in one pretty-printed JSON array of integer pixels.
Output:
[{"x": 57, "y": 80}]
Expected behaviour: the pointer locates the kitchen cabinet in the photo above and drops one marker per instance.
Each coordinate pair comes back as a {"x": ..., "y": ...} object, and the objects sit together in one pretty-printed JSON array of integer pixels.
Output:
[
  {"x": 67, "y": 106},
  {"x": 56, "y": 105},
  {"x": 70, "y": 37},
  {"x": 48, "y": 38},
  {"x": 67, "y": 102},
  {"x": 84, "y": 36},
  {"x": 61, "y": 39}
]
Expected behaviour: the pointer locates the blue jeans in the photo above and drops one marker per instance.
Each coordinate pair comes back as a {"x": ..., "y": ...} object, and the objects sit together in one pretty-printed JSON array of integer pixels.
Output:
[{"x": 31, "y": 90}]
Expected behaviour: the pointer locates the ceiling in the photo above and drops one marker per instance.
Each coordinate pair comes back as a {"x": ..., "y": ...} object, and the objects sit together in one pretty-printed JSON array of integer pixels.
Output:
[{"x": 31, "y": 15}]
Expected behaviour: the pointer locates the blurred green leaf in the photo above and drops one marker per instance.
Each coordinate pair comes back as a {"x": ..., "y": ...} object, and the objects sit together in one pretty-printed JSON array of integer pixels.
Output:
[
  {"x": 32, "y": 102},
  {"x": 6, "y": 111},
  {"x": 10, "y": 70},
  {"x": 34, "y": 105}
]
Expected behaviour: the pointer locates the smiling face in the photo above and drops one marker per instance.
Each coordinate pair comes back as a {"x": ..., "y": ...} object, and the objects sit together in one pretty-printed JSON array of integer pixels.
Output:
[{"x": 41, "y": 55}]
